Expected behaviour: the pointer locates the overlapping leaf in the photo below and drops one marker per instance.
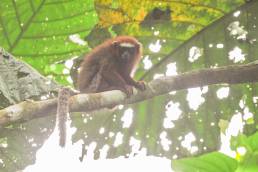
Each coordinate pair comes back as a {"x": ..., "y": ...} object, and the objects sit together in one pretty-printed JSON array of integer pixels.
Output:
[
  {"x": 209, "y": 48},
  {"x": 39, "y": 31}
]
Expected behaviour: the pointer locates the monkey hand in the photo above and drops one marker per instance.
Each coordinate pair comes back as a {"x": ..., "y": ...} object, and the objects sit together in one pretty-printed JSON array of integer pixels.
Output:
[
  {"x": 141, "y": 85},
  {"x": 128, "y": 90}
]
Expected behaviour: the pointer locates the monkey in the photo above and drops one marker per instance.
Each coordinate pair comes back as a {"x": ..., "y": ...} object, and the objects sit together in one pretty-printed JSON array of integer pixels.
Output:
[{"x": 111, "y": 66}]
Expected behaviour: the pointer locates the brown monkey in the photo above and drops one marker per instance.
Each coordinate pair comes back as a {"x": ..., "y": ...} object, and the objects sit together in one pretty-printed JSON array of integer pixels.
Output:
[{"x": 110, "y": 66}]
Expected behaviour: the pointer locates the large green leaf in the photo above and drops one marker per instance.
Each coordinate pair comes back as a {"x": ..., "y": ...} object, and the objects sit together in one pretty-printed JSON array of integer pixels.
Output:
[
  {"x": 248, "y": 160},
  {"x": 210, "y": 48},
  {"x": 218, "y": 162},
  {"x": 211, "y": 162},
  {"x": 186, "y": 18},
  {"x": 38, "y": 31}
]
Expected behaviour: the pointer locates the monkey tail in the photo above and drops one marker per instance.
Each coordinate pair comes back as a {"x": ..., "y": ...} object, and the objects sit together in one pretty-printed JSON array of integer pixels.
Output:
[{"x": 62, "y": 112}]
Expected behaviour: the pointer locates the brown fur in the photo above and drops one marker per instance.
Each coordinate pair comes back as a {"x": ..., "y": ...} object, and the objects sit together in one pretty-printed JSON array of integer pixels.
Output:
[
  {"x": 103, "y": 68},
  {"x": 62, "y": 112}
]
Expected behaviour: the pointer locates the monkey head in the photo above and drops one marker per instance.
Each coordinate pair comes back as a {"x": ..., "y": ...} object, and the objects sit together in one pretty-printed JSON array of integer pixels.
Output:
[{"x": 126, "y": 50}]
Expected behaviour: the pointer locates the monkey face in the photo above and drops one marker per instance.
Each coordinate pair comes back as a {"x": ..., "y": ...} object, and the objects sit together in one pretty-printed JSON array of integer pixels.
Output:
[
  {"x": 127, "y": 51},
  {"x": 127, "y": 54}
]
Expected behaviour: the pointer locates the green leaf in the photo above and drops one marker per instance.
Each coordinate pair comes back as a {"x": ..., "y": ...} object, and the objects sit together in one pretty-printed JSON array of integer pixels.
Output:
[
  {"x": 248, "y": 161},
  {"x": 148, "y": 117},
  {"x": 212, "y": 162},
  {"x": 253, "y": 142},
  {"x": 38, "y": 31}
]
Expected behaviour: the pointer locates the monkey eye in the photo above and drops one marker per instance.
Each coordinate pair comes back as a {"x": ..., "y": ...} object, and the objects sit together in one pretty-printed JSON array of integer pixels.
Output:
[{"x": 128, "y": 50}]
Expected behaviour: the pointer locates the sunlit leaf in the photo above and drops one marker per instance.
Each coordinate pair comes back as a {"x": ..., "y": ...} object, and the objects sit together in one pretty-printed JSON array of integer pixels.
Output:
[{"x": 211, "y": 162}]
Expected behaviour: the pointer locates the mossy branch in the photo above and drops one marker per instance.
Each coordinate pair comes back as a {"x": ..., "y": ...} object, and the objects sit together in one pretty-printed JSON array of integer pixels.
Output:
[{"x": 235, "y": 74}]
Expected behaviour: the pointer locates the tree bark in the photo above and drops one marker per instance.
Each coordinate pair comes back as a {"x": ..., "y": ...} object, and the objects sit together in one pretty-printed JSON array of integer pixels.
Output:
[{"x": 236, "y": 74}]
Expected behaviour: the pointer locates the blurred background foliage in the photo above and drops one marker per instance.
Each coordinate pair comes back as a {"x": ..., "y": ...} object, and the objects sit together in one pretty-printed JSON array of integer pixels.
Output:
[{"x": 177, "y": 36}]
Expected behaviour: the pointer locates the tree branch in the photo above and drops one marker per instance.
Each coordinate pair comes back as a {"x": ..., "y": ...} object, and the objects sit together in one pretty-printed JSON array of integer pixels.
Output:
[{"x": 29, "y": 110}]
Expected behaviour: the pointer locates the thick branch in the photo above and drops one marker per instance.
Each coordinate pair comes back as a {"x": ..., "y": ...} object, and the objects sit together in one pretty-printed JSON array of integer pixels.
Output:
[{"x": 87, "y": 102}]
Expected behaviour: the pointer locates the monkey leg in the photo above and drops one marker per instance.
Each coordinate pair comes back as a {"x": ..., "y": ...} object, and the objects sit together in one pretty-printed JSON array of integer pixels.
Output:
[{"x": 115, "y": 80}]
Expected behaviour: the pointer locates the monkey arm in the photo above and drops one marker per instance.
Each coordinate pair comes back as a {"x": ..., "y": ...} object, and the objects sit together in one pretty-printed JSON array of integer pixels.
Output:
[
  {"x": 138, "y": 84},
  {"x": 115, "y": 80}
]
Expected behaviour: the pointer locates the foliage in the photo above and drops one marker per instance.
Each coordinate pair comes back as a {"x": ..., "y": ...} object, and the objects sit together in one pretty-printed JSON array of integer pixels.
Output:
[
  {"x": 39, "y": 32},
  {"x": 191, "y": 35},
  {"x": 216, "y": 161},
  {"x": 211, "y": 162},
  {"x": 248, "y": 161}
]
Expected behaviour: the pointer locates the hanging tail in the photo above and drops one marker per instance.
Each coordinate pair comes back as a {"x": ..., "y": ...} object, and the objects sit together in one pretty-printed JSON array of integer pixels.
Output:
[{"x": 62, "y": 113}]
